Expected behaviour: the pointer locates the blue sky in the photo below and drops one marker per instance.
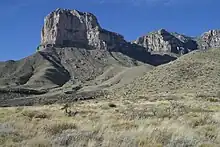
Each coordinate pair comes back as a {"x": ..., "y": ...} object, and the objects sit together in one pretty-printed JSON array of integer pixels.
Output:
[{"x": 21, "y": 20}]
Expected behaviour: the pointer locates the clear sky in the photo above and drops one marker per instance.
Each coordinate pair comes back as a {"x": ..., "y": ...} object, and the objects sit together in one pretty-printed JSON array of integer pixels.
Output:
[{"x": 21, "y": 20}]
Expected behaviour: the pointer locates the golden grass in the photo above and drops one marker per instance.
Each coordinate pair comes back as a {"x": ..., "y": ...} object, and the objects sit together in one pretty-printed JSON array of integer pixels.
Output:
[{"x": 186, "y": 122}]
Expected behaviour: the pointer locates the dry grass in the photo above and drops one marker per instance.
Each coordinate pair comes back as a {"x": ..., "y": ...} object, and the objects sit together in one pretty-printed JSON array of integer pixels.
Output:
[
  {"x": 195, "y": 73},
  {"x": 56, "y": 128},
  {"x": 185, "y": 122}
]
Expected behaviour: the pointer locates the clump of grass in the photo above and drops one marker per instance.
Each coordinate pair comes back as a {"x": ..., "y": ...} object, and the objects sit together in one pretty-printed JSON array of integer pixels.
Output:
[
  {"x": 13, "y": 137},
  {"x": 207, "y": 145},
  {"x": 213, "y": 99},
  {"x": 39, "y": 142},
  {"x": 19, "y": 109},
  {"x": 201, "y": 120},
  {"x": 174, "y": 109},
  {"x": 201, "y": 95},
  {"x": 56, "y": 128},
  {"x": 35, "y": 114},
  {"x": 146, "y": 143}
]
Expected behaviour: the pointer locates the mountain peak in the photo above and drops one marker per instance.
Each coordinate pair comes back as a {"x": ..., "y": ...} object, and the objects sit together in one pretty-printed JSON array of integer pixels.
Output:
[
  {"x": 72, "y": 28},
  {"x": 166, "y": 42},
  {"x": 162, "y": 31}
]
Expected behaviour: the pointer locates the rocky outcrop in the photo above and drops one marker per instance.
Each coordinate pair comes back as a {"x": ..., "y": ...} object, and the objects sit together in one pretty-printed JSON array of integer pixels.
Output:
[
  {"x": 162, "y": 41},
  {"x": 71, "y": 28},
  {"x": 166, "y": 42},
  {"x": 210, "y": 39}
]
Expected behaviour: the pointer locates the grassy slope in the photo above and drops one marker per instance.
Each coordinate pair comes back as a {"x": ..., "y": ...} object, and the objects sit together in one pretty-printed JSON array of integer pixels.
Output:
[{"x": 195, "y": 73}]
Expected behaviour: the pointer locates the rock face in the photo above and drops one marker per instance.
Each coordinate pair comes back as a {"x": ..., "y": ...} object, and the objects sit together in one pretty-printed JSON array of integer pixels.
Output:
[
  {"x": 162, "y": 41},
  {"x": 71, "y": 28},
  {"x": 166, "y": 42},
  {"x": 210, "y": 39}
]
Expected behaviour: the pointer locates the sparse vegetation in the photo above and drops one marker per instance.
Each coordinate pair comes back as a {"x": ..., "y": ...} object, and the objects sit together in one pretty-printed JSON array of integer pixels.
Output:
[
  {"x": 143, "y": 123},
  {"x": 58, "y": 127},
  {"x": 35, "y": 114}
]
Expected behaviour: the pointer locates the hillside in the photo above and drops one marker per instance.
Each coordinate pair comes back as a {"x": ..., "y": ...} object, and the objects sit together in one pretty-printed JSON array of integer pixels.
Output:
[{"x": 196, "y": 73}]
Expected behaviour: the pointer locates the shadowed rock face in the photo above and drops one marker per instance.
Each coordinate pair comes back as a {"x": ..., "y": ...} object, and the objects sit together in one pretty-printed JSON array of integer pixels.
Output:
[{"x": 71, "y": 28}]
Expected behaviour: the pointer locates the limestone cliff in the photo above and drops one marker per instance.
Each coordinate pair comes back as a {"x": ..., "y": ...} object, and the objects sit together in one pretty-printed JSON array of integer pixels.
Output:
[
  {"x": 162, "y": 41},
  {"x": 166, "y": 42},
  {"x": 71, "y": 28}
]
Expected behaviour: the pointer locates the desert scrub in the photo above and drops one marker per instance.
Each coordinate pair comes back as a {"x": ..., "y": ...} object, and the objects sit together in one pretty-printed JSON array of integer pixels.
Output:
[
  {"x": 35, "y": 114},
  {"x": 209, "y": 132},
  {"x": 58, "y": 127},
  {"x": 213, "y": 99},
  {"x": 200, "y": 119},
  {"x": 40, "y": 141},
  {"x": 11, "y": 138},
  {"x": 4, "y": 114}
]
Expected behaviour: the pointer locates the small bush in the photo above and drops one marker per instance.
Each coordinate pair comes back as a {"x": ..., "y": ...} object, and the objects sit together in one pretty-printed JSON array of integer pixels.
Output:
[
  {"x": 19, "y": 109},
  {"x": 35, "y": 114},
  {"x": 29, "y": 114},
  {"x": 112, "y": 105},
  {"x": 201, "y": 120},
  {"x": 42, "y": 115},
  {"x": 57, "y": 128},
  {"x": 39, "y": 142},
  {"x": 13, "y": 137},
  {"x": 213, "y": 99}
]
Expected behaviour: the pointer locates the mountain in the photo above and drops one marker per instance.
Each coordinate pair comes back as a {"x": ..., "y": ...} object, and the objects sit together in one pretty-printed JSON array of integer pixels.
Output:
[
  {"x": 162, "y": 41},
  {"x": 74, "y": 46},
  {"x": 71, "y": 28},
  {"x": 74, "y": 52},
  {"x": 76, "y": 55}
]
